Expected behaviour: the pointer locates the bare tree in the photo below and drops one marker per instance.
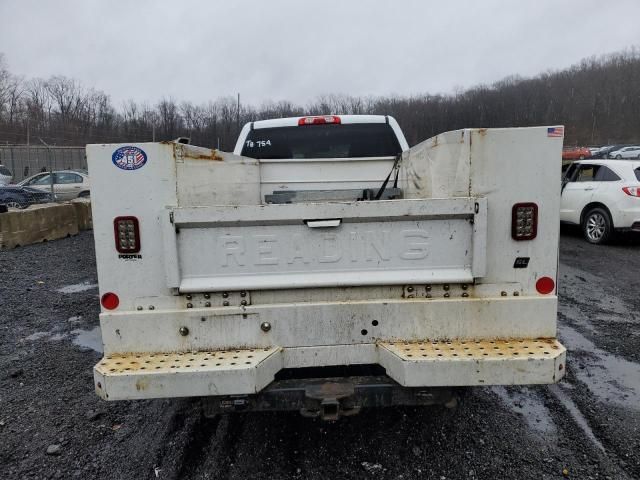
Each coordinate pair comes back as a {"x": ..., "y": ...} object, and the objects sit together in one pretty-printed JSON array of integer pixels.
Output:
[{"x": 597, "y": 99}]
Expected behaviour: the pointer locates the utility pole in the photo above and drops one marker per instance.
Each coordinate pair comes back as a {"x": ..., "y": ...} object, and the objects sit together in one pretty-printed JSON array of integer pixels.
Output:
[
  {"x": 28, "y": 144},
  {"x": 50, "y": 168},
  {"x": 238, "y": 116},
  {"x": 13, "y": 162}
]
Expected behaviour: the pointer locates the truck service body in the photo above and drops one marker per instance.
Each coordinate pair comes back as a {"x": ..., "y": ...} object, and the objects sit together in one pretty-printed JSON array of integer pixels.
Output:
[{"x": 325, "y": 266}]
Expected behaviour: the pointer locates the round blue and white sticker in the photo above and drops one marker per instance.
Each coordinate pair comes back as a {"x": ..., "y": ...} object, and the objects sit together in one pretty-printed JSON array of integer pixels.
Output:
[{"x": 129, "y": 158}]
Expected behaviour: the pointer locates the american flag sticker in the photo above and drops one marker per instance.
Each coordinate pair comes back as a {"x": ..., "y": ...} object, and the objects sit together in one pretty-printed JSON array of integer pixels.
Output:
[
  {"x": 129, "y": 158},
  {"x": 555, "y": 132}
]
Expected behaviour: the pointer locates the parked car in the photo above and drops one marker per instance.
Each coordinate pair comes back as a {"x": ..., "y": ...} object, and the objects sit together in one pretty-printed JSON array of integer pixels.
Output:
[
  {"x": 626, "y": 152},
  {"x": 603, "y": 152},
  {"x": 5, "y": 175},
  {"x": 67, "y": 184},
  {"x": 593, "y": 151},
  {"x": 601, "y": 196},
  {"x": 575, "y": 153},
  {"x": 21, "y": 197}
]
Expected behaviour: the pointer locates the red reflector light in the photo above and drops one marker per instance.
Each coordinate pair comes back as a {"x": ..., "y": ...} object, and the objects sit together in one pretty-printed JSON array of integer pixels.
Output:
[
  {"x": 127, "y": 234},
  {"x": 545, "y": 285},
  {"x": 321, "y": 120},
  {"x": 110, "y": 301},
  {"x": 524, "y": 221},
  {"x": 632, "y": 191}
]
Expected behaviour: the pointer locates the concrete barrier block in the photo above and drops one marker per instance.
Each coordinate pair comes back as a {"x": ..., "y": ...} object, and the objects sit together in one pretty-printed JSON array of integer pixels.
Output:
[
  {"x": 83, "y": 213},
  {"x": 37, "y": 224}
]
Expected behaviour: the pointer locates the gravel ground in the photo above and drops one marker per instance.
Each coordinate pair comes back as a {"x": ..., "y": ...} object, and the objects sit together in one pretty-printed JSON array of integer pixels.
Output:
[{"x": 53, "y": 426}]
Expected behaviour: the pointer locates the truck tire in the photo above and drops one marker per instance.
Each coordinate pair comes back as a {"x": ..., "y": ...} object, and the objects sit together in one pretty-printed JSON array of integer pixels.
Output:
[{"x": 597, "y": 226}]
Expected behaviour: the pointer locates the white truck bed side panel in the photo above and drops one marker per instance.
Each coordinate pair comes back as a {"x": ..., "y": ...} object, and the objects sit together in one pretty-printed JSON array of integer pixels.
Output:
[
  {"x": 438, "y": 167},
  {"x": 506, "y": 166},
  {"x": 141, "y": 193},
  {"x": 531, "y": 161},
  {"x": 211, "y": 177}
]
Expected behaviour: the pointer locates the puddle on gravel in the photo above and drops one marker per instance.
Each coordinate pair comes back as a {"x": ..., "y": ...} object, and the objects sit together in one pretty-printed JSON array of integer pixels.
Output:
[
  {"x": 576, "y": 414},
  {"x": 37, "y": 336},
  {"x": 78, "y": 287},
  {"x": 610, "y": 378},
  {"x": 51, "y": 336},
  {"x": 525, "y": 402},
  {"x": 88, "y": 339}
]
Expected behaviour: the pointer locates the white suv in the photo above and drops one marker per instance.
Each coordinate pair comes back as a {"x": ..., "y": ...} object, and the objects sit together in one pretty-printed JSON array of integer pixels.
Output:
[
  {"x": 600, "y": 196},
  {"x": 626, "y": 152}
]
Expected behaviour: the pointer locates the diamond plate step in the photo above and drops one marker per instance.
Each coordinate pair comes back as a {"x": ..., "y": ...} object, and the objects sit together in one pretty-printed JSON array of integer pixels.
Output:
[
  {"x": 153, "y": 375},
  {"x": 487, "y": 362}
]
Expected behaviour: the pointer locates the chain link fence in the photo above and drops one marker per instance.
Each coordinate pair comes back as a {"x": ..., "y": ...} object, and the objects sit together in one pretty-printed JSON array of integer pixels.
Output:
[
  {"x": 56, "y": 174},
  {"x": 26, "y": 160}
]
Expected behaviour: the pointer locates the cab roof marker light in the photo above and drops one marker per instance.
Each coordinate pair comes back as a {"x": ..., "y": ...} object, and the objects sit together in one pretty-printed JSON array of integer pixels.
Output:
[{"x": 319, "y": 120}]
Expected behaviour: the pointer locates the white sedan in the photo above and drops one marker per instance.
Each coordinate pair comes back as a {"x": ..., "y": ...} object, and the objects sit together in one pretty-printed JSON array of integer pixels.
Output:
[
  {"x": 601, "y": 196},
  {"x": 626, "y": 152},
  {"x": 67, "y": 184}
]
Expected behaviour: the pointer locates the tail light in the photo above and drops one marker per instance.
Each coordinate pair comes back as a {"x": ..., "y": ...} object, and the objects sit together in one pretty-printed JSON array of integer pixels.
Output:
[
  {"x": 632, "y": 191},
  {"x": 110, "y": 301},
  {"x": 524, "y": 221},
  {"x": 321, "y": 120},
  {"x": 545, "y": 285},
  {"x": 127, "y": 234}
]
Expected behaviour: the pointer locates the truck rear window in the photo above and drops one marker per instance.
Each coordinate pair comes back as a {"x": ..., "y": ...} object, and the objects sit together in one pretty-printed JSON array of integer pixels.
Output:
[{"x": 322, "y": 141}]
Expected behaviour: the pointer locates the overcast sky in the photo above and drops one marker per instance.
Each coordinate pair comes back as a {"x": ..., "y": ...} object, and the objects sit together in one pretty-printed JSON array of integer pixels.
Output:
[{"x": 296, "y": 50}]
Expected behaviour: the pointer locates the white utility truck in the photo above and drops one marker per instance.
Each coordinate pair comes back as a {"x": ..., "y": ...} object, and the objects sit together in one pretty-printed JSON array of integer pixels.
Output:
[{"x": 325, "y": 266}]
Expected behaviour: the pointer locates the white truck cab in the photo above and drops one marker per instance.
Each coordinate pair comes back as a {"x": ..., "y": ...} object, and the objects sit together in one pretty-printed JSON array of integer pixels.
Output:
[
  {"x": 367, "y": 127},
  {"x": 326, "y": 267}
]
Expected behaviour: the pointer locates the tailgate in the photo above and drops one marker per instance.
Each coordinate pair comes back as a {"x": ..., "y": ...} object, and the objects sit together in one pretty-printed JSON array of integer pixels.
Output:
[{"x": 302, "y": 245}]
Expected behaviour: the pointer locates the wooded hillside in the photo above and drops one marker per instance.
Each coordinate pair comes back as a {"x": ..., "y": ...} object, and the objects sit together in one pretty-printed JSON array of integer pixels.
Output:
[{"x": 598, "y": 100}]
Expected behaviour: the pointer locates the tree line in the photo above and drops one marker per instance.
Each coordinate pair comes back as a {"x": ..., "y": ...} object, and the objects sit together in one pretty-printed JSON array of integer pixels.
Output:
[{"x": 598, "y": 101}]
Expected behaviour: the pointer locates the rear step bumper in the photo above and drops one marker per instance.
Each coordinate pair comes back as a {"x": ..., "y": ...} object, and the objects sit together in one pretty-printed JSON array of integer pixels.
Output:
[
  {"x": 410, "y": 364},
  {"x": 495, "y": 362}
]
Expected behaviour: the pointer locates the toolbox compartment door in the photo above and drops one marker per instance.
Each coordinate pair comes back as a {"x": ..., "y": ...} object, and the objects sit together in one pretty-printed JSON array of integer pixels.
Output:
[{"x": 392, "y": 242}]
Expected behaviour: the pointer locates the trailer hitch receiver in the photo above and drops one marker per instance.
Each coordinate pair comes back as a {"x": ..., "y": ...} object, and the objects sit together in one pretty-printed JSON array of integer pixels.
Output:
[{"x": 329, "y": 400}]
